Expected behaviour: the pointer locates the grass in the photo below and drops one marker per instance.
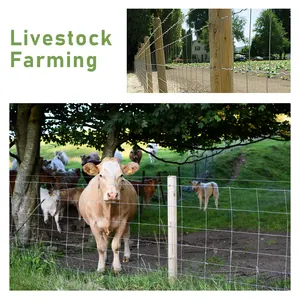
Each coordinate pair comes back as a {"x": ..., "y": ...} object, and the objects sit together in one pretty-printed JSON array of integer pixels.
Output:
[
  {"x": 258, "y": 195},
  {"x": 35, "y": 269}
]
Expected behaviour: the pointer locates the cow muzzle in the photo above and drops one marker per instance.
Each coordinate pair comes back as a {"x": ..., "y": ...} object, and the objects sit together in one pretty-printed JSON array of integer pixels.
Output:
[{"x": 112, "y": 196}]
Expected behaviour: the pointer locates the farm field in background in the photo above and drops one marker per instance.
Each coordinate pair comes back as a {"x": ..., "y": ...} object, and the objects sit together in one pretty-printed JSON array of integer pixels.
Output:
[
  {"x": 254, "y": 199},
  {"x": 195, "y": 78},
  {"x": 278, "y": 68}
]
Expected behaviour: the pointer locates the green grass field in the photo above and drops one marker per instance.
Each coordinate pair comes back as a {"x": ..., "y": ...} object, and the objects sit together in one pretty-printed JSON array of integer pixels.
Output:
[{"x": 254, "y": 184}]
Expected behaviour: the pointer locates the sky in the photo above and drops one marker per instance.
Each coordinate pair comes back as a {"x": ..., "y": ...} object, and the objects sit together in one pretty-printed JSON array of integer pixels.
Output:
[{"x": 245, "y": 14}]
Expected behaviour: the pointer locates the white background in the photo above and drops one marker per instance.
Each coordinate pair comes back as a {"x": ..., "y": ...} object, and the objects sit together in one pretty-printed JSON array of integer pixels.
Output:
[{"x": 108, "y": 84}]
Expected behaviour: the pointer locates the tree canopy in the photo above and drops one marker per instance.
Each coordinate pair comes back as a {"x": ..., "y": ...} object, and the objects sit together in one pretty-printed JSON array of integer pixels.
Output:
[
  {"x": 198, "y": 18},
  {"x": 265, "y": 24},
  {"x": 180, "y": 127},
  {"x": 139, "y": 25}
]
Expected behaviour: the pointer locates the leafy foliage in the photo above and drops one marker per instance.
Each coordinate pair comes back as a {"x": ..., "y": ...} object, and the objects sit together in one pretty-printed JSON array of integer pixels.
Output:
[
  {"x": 177, "y": 126},
  {"x": 198, "y": 18},
  {"x": 268, "y": 23}
]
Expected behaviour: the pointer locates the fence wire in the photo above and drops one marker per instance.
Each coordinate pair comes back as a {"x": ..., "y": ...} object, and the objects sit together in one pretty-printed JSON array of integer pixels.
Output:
[
  {"x": 188, "y": 70},
  {"x": 244, "y": 242}
]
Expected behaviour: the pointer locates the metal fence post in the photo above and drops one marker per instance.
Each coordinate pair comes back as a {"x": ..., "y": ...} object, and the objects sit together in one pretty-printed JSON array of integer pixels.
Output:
[{"x": 172, "y": 229}]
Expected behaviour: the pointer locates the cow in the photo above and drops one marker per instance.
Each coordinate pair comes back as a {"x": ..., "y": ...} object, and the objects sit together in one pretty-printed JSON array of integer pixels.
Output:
[
  {"x": 70, "y": 197},
  {"x": 46, "y": 176},
  {"x": 152, "y": 148},
  {"x": 93, "y": 158},
  {"x": 135, "y": 155},
  {"x": 108, "y": 204},
  {"x": 67, "y": 179},
  {"x": 146, "y": 189},
  {"x": 206, "y": 190}
]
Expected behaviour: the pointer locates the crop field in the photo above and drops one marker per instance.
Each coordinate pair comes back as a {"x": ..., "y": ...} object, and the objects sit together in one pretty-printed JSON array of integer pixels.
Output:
[{"x": 248, "y": 77}]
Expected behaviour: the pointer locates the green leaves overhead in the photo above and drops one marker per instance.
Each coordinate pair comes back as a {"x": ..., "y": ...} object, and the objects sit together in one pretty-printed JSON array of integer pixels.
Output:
[{"x": 177, "y": 126}]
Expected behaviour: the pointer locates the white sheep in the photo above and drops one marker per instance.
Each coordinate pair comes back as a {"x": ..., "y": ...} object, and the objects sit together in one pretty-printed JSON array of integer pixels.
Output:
[{"x": 50, "y": 205}]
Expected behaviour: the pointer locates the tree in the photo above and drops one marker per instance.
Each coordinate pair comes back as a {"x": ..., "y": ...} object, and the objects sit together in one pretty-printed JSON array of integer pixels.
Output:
[
  {"x": 106, "y": 127},
  {"x": 245, "y": 50},
  {"x": 172, "y": 20},
  {"x": 284, "y": 15},
  {"x": 238, "y": 24},
  {"x": 260, "y": 43},
  {"x": 139, "y": 24},
  {"x": 198, "y": 20},
  {"x": 187, "y": 46},
  {"x": 180, "y": 127},
  {"x": 26, "y": 122}
]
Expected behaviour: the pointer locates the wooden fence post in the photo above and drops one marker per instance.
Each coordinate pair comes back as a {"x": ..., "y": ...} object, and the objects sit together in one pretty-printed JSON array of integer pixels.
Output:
[
  {"x": 172, "y": 229},
  {"x": 143, "y": 66},
  {"x": 148, "y": 65},
  {"x": 160, "y": 56},
  {"x": 221, "y": 50}
]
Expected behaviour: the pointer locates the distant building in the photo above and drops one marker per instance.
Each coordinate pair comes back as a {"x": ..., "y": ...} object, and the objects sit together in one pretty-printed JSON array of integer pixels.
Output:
[{"x": 199, "y": 54}]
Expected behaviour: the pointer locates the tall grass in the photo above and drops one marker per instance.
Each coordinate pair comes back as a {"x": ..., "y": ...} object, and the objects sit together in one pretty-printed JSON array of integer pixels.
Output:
[{"x": 35, "y": 269}]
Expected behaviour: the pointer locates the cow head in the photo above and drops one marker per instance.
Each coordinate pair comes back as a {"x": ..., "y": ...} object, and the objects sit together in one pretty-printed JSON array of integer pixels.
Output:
[
  {"x": 110, "y": 175},
  {"x": 195, "y": 184}
]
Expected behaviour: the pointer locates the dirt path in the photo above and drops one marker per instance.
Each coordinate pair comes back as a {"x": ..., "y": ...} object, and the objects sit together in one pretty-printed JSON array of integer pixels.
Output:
[
  {"x": 197, "y": 80},
  {"x": 239, "y": 256}
]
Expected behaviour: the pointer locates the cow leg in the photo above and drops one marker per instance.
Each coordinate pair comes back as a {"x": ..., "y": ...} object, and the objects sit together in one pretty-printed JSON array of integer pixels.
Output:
[
  {"x": 115, "y": 245},
  {"x": 126, "y": 237},
  {"x": 101, "y": 246},
  {"x": 216, "y": 200},
  {"x": 205, "y": 200},
  {"x": 200, "y": 196}
]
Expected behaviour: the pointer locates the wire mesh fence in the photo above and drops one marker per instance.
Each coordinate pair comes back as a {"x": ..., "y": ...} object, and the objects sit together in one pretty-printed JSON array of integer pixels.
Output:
[
  {"x": 188, "y": 65},
  {"x": 244, "y": 242}
]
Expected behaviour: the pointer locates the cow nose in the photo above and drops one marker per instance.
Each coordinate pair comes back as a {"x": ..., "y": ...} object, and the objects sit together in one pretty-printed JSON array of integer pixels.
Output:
[{"x": 112, "y": 196}]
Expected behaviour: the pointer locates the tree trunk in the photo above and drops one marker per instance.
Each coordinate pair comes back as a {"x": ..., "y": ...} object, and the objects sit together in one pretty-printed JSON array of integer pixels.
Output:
[
  {"x": 24, "y": 200},
  {"x": 111, "y": 143}
]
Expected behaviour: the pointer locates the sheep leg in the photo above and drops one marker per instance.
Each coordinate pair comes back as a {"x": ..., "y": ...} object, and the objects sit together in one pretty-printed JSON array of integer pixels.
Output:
[{"x": 56, "y": 218}]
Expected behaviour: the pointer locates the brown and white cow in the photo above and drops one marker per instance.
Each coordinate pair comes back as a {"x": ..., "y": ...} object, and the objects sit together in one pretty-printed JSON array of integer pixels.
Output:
[
  {"x": 135, "y": 155},
  {"x": 205, "y": 191},
  {"x": 108, "y": 204},
  {"x": 146, "y": 189}
]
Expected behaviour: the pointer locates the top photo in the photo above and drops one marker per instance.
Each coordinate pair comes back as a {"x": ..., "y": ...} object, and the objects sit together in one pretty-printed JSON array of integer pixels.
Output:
[{"x": 239, "y": 50}]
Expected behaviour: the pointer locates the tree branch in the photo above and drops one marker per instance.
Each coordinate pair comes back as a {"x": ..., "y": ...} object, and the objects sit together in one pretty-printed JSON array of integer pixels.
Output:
[
  {"x": 15, "y": 156},
  {"x": 221, "y": 149}
]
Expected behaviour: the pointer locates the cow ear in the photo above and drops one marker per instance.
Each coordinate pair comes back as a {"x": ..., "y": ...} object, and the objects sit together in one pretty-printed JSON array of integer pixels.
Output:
[
  {"x": 90, "y": 169},
  {"x": 130, "y": 168}
]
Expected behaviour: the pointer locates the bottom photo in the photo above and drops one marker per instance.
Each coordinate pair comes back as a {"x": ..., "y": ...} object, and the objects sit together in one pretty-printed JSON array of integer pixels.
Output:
[{"x": 166, "y": 196}]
